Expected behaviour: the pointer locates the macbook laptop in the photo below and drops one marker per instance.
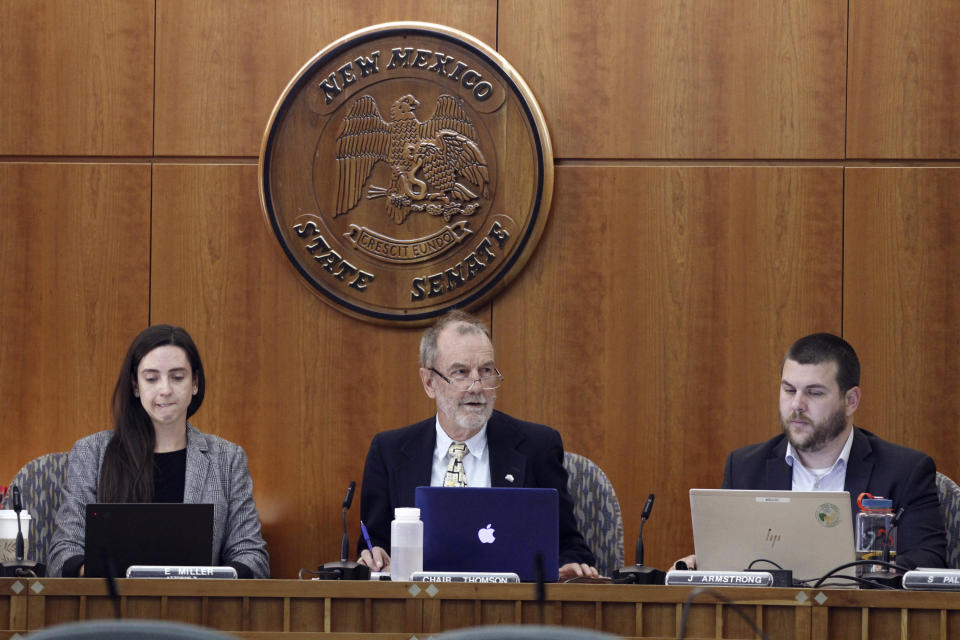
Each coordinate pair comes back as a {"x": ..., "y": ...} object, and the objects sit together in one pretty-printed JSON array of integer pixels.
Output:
[
  {"x": 122, "y": 534},
  {"x": 490, "y": 529},
  {"x": 808, "y": 532}
]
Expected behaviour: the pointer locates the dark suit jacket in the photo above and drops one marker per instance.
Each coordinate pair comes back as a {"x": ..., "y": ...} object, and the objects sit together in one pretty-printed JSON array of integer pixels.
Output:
[
  {"x": 401, "y": 460},
  {"x": 875, "y": 466}
]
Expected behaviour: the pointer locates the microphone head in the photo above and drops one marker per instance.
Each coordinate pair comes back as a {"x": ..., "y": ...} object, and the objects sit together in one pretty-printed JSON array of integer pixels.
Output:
[
  {"x": 348, "y": 499},
  {"x": 896, "y": 517},
  {"x": 17, "y": 501},
  {"x": 647, "y": 508}
]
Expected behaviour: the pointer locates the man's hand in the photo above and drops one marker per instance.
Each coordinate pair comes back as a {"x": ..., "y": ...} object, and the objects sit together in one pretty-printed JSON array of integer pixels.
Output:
[
  {"x": 378, "y": 561},
  {"x": 690, "y": 561},
  {"x": 578, "y": 570}
]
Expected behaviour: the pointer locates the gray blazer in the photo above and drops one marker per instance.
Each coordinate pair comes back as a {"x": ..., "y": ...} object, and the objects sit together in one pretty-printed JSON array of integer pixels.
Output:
[{"x": 217, "y": 473}]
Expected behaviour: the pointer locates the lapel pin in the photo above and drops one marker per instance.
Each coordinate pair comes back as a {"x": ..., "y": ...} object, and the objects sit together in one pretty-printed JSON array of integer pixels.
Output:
[{"x": 508, "y": 478}]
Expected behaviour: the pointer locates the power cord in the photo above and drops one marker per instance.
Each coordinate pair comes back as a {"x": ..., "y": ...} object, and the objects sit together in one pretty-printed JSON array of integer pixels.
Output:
[
  {"x": 875, "y": 581},
  {"x": 716, "y": 594},
  {"x": 750, "y": 566},
  {"x": 781, "y": 577}
]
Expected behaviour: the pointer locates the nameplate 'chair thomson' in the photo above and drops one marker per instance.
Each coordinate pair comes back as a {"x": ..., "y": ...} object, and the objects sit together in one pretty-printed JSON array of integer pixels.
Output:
[
  {"x": 949, "y": 494},
  {"x": 597, "y": 510},
  {"x": 39, "y": 481}
]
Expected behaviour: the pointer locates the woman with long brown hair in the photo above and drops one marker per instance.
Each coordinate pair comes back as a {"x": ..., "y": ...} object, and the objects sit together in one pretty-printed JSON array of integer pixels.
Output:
[{"x": 153, "y": 454}]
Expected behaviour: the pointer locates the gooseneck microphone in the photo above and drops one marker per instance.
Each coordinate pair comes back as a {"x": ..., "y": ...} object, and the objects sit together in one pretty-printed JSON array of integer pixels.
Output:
[
  {"x": 344, "y": 569},
  {"x": 345, "y": 542},
  {"x": 19, "y": 566},
  {"x": 638, "y": 573},
  {"x": 647, "y": 508},
  {"x": 541, "y": 588},
  {"x": 17, "y": 508},
  {"x": 888, "y": 537}
]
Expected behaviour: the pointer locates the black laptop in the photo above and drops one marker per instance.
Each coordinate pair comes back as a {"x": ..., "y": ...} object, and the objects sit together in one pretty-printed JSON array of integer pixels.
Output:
[{"x": 161, "y": 533}]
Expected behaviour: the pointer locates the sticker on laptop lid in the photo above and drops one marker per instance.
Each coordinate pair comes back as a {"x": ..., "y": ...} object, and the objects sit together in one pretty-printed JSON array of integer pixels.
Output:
[{"x": 828, "y": 514}]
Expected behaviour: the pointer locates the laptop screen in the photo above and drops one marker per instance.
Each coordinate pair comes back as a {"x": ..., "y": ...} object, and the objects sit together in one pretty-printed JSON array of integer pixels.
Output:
[
  {"x": 808, "y": 532},
  {"x": 490, "y": 529},
  {"x": 122, "y": 534}
]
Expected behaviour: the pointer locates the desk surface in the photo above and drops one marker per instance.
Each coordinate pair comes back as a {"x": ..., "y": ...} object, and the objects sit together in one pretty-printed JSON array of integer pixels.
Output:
[{"x": 266, "y": 609}]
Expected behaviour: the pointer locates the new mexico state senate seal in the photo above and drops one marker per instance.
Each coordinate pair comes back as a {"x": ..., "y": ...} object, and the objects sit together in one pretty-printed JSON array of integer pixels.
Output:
[{"x": 406, "y": 170}]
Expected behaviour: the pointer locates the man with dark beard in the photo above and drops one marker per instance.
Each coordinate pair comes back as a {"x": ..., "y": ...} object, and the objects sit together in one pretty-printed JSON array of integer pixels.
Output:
[
  {"x": 467, "y": 443},
  {"x": 820, "y": 449}
]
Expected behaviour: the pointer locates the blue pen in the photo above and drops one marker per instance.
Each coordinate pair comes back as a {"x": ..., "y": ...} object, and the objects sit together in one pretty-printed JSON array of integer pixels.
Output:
[{"x": 366, "y": 536}]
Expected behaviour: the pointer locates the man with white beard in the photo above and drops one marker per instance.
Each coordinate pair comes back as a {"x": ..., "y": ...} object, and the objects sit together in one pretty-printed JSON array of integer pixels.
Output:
[{"x": 467, "y": 443}]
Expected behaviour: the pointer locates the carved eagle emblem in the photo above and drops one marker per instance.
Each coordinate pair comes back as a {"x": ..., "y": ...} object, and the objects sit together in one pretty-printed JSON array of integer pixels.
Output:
[{"x": 437, "y": 166}]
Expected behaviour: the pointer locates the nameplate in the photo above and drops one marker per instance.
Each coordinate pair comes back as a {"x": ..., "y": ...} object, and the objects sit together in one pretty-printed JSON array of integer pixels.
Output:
[
  {"x": 932, "y": 580},
  {"x": 457, "y": 576},
  {"x": 719, "y": 578},
  {"x": 180, "y": 572}
]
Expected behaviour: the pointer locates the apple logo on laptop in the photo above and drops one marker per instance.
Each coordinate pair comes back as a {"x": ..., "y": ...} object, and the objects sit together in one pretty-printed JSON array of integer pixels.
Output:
[{"x": 486, "y": 534}]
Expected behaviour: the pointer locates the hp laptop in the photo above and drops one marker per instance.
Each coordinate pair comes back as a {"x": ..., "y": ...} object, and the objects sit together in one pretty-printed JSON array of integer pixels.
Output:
[
  {"x": 120, "y": 535},
  {"x": 491, "y": 529},
  {"x": 808, "y": 532}
]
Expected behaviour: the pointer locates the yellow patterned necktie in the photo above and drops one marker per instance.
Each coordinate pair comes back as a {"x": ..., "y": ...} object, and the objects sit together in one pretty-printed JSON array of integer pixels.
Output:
[{"x": 456, "y": 476}]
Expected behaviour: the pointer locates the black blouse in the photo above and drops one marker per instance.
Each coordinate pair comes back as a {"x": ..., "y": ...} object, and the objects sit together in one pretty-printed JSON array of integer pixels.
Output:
[{"x": 169, "y": 476}]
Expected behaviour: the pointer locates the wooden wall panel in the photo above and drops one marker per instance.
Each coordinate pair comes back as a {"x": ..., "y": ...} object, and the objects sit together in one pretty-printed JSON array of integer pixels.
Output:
[
  {"x": 650, "y": 325},
  {"x": 902, "y": 304},
  {"x": 904, "y": 79},
  {"x": 77, "y": 77},
  {"x": 667, "y": 79},
  {"x": 302, "y": 387},
  {"x": 221, "y": 66},
  {"x": 74, "y": 260}
]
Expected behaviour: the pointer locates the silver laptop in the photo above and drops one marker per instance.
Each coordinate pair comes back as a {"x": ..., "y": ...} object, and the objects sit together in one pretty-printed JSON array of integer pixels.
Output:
[{"x": 808, "y": 532}]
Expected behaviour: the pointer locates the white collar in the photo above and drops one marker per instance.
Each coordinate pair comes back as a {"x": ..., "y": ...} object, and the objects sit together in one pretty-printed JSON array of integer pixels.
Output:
[
  {"x": 792, "y": 456},
  {"x": 476, "y": 444}
]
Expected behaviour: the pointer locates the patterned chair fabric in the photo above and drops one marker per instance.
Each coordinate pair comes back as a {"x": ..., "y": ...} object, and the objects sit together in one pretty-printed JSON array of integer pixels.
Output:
[
  {"x": 39, "y": 481},
  {"x": 597, "y": 510},
  {"x": 949, "y": 494}
]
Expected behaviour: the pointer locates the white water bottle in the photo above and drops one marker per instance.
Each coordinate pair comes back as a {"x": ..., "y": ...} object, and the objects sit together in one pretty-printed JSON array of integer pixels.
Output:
[{"x": 406, "y": 543}]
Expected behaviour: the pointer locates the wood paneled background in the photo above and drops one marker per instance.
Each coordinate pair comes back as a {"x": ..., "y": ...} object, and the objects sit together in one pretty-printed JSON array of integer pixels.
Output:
[{"x": 729, "y": 176}]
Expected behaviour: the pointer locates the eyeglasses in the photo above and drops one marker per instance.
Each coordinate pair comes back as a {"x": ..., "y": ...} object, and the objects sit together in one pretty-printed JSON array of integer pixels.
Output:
[{"x": 464, "y": 382}]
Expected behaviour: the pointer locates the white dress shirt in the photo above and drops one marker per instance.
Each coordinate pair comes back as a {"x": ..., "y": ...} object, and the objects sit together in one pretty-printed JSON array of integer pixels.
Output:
[
  {"x": 476, "y": 464},
  {"x": 831, "y": 478}
]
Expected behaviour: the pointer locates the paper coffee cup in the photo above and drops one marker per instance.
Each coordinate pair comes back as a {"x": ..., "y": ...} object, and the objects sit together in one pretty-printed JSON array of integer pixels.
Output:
[{"x": 8, "y": 534}]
